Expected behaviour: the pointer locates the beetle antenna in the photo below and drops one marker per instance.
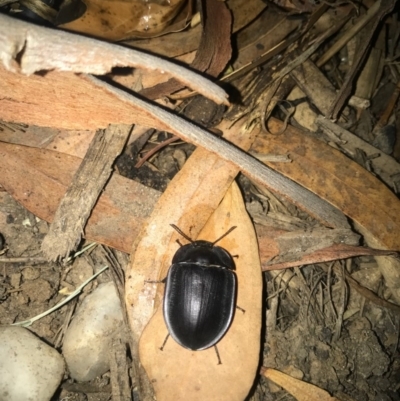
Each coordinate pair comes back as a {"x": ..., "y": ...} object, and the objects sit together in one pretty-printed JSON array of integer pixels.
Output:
[
  {"x": 220, "y": 238},
  {"x": 181, "y": 233}
]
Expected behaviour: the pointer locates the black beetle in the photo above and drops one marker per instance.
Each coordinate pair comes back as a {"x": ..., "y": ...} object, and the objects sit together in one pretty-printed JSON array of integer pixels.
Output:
[{"x": 200, "y": 294}]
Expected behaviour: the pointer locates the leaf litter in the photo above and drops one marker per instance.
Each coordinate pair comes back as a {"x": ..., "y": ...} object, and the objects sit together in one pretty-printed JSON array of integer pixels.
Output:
[{"x": 332, "y": 319}]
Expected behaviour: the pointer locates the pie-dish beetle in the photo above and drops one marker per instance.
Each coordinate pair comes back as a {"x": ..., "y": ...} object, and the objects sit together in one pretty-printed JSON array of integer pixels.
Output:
[{"x": 200, "y": 294}]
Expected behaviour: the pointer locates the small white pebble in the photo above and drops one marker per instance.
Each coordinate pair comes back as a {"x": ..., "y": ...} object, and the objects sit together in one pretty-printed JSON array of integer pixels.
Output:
[
  {"x": 29, "y": 368},
  {"x": 87, "y": 340}
]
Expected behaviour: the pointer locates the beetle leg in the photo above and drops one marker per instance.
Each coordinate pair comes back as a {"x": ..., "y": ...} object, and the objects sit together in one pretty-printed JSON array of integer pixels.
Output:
[
  {"x": 165, "y": 341},
  {"x": 216, "y": 351},
  {"x": 241, "y": 309}
]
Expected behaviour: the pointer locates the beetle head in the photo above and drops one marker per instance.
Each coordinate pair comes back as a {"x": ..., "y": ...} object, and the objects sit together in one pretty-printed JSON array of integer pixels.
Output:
[{"x": 204, "y": 253}]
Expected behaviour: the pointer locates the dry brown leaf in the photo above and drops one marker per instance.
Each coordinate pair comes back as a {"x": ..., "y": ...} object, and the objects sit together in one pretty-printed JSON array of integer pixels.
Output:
[
  {"x": 337, "y": 179},
  {"x": 328, "y": 173},
  {"x": 181, "y": 374},
  {"x": 119, "y": 20},
  {"x": 67, "y": 101},
  {"x": 300, "y": 390},
  {"x": 189, "y": 200},
  {"x": 62, "y": 100}
]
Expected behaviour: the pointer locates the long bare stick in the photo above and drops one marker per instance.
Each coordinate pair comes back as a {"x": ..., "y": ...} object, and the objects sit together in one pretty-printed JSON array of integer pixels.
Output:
[{"x": 247, "y": 164}]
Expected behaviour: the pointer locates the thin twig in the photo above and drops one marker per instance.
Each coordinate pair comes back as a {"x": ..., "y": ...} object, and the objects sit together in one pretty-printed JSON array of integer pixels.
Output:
[{"x": 29, "y": 322}]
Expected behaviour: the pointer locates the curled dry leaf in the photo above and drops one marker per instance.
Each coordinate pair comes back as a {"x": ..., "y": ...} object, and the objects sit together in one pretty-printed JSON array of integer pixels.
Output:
[
  {"x": 214, "y": 50},
  {"x": 178, "y": 373}
]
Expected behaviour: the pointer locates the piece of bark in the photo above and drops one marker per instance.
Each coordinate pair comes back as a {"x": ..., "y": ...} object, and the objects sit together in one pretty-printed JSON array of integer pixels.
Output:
[
  {"x": 119, "y": 371},
  {"x": 315, "y": 85},
  {"x": 294, "y": 244},
  {"x": 282, "y": 249},
  {"x": 70, "y": 219}
]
